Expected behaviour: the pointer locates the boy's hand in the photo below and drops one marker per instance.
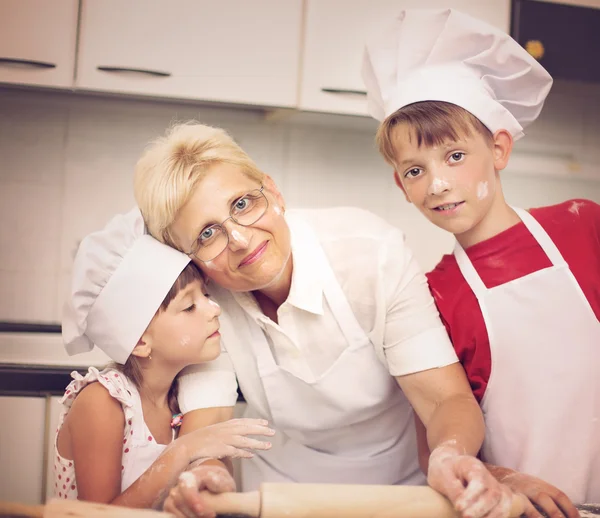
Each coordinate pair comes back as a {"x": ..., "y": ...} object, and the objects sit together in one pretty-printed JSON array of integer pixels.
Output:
[
  {"x": 548, "y": 498},
  {"x": 184, "y": 499},
  {"x": 466, "y": 482}
]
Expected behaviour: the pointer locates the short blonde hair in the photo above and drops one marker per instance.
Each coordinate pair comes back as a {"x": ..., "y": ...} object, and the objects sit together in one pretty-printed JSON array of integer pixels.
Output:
[
  {"x": 432, "y": 122},
  {"x": 172, "y": 166}
]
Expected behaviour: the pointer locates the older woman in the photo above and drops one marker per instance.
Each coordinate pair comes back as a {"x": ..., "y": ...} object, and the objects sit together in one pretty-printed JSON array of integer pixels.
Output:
[{"x": 328, "y": 326}]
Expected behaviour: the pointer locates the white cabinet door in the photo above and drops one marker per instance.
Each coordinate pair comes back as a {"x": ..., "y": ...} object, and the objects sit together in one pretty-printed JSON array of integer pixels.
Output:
[
  {"x": 37, "y": 42},
  {"x": 336, "y": 32},
  {"x": 238, "y": 51},
  {"x": 53, "y": 415},
  {"x": 22, "y": 449}
]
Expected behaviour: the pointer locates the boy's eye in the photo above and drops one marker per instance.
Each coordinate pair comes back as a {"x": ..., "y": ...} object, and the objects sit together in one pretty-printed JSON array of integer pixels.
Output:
[
  {"x": 457, "y": 157},
  {"x": 412, "y": 173},
  {"x": 190, "y": 308}
]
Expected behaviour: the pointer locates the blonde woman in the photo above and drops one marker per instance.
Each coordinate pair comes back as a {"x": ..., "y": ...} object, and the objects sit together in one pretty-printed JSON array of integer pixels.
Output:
[{"x": 327, "y": 325}]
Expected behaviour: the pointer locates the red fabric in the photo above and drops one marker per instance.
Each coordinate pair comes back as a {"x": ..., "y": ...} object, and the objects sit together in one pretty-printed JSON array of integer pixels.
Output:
[{"x": 574, "y": 226}]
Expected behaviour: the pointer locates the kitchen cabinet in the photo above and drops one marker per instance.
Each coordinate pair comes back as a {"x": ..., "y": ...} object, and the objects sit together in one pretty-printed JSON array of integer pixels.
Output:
[
  {"x": 22, "y": 439},
  {"x": 54, "y": 411},
  {"x": 231, "y": 51},
  {"x": 38, "y": 41},
  {"x": 546, "y": 30},
  {"x": 335, "y": 35}
]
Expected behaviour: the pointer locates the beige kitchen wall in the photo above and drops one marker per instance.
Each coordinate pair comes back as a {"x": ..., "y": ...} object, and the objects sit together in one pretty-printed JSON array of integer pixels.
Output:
[{"x": 66, "y": 165}]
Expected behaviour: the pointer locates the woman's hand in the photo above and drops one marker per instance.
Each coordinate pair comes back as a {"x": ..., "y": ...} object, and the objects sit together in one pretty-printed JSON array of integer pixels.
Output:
[
  {"x": 225, "y": 439},
  {"x": 465, "y": 481},
  {"x": 548, "y": 498},
  {"x": 184, "y": 499}
]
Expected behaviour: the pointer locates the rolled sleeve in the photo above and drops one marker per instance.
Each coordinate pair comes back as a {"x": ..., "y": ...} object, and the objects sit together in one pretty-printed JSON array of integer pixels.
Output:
[
  {"x": 415, "y": 338},
  {"x": 428, "y": 350},
  {"x": 208, "y": 385}
]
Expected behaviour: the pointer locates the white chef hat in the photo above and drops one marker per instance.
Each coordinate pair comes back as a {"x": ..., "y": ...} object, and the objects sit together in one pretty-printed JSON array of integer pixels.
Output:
[
  {"x": 121, "y": 275},
  {"x": 446, "y": 55}
]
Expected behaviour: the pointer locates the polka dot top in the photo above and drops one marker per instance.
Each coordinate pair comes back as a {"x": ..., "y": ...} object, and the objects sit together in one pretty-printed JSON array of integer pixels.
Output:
[{"x": 140, "y": 449}]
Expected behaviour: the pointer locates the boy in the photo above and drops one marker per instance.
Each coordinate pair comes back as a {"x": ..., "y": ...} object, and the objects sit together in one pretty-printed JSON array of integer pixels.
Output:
[{"x": 520, "y": 297}]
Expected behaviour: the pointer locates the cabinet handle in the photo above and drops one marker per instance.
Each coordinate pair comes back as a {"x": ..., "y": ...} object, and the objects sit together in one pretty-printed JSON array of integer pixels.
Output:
[
  {"x": 27, "y": 327},
  {"x": 157, "y": 73},
  {"x": 28, "y": 62},
  {"x": 343, "y": 91}
]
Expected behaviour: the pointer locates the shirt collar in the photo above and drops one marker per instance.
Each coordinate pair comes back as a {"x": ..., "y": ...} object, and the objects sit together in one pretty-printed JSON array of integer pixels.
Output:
[{"x": 306, "y": 292}]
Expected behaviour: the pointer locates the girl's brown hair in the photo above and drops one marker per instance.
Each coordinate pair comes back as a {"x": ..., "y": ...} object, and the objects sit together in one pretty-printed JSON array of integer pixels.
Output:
[
  {"x": 432, "y": 122},
  {"x": 131, "y": 368}
]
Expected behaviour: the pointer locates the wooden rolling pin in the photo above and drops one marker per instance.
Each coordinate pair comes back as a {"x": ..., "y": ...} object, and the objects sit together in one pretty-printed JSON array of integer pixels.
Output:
[
  {"x": 335, "y": 500},
  {"x": 282, "y": 501}
]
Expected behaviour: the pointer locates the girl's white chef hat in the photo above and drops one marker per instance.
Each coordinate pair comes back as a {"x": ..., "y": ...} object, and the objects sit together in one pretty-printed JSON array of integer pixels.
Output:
[
  {"x": 446, "y": 55},
  {"x": 120, "y": 277}
]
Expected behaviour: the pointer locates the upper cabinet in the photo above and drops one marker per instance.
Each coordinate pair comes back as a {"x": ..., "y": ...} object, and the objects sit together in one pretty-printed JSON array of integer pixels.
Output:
[
  {"x": 335, "y": 35},
  {"x": 302, "y": 54},
  {"x": 233, "y": 51},
  {"x": 37, "y": 42},
  {"x": 546, "y": 30}
]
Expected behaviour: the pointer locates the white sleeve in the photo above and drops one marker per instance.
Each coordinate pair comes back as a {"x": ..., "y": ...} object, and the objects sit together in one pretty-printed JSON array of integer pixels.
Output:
[
  {"x": 414, "y": 337},
  {"x": 208, "y": 385}
]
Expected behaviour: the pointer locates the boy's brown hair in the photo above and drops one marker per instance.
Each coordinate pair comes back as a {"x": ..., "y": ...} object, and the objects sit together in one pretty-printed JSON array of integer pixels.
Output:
[{"x": 432, "y": 123}]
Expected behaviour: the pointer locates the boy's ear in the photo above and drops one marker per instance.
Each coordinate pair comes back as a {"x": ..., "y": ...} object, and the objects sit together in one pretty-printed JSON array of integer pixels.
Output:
[
  {"x": 399, "y": 184},
  {"x": 502, "y": 147},
  {"x": 143, "y": 349}
]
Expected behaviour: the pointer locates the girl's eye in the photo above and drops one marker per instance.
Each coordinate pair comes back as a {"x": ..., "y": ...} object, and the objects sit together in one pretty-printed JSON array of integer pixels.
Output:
[
  {"x": 412, "y": 173},
  {"x": 457, "y": 157},
  {"x": 190, "y": 308}
]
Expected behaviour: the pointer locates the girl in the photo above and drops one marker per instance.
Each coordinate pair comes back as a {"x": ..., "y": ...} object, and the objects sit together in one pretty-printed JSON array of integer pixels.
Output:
[{"x": 146, "y": 307}]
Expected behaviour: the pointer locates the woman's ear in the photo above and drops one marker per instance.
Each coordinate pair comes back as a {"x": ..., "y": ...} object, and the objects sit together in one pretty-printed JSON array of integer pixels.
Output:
[
  {"x": 270, "y": 186},
  {"x": 502, "y": 147}
]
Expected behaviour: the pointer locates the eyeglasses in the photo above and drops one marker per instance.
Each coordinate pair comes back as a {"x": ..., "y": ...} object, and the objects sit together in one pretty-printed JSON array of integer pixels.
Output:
[{"x": 245, "y": 211}]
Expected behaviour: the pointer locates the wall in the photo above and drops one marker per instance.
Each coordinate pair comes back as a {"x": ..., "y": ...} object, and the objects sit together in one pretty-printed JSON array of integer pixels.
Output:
[{"x": 66, "y": 166}]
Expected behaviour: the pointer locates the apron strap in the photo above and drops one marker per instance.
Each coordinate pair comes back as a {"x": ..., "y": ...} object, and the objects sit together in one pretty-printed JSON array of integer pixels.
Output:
[
  {"x": 338, "y": 302},
  {"x": 541, "y": 236},
  {"x": 537, "y": 231},
  {"x": 468, "y": 271},
  {"x": 236, "y": 320}
]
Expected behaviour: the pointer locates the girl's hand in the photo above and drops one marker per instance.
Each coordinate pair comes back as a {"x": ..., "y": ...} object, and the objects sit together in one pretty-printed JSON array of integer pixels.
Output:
[
  {"x": 225, "y": 439},
  {"x": 184, "y": 499},
  {"x": 466, "y": 482}
]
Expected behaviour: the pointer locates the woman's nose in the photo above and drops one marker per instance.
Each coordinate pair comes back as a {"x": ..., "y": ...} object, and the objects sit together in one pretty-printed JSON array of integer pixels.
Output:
[{"x": 239, "y": 237}]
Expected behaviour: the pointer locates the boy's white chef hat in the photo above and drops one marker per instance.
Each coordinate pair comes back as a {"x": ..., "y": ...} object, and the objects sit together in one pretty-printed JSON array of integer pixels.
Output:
[
  {"x": 446, "y": 55},
  {"x": 120, "y": 277}
]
